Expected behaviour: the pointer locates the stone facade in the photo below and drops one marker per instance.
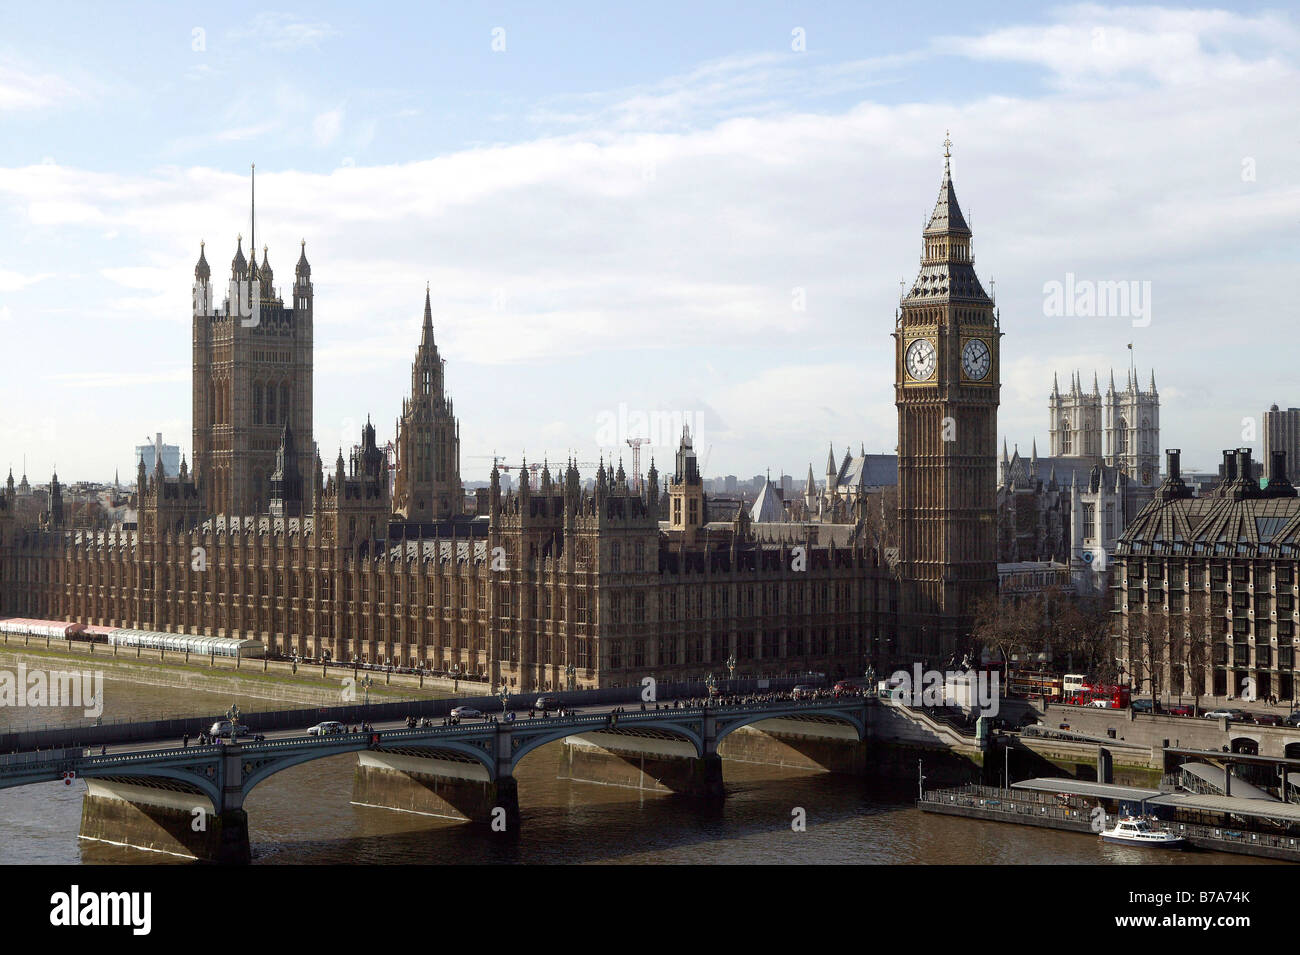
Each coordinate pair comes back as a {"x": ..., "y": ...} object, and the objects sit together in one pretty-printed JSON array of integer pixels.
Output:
[
  {"x": 1204, "y": 588},
  {"x": 947, "y": 385},
  {"x": 252, "y": 374}
]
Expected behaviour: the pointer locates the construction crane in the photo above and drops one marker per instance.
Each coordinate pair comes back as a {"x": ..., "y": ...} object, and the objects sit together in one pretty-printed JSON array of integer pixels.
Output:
[{"x": 635, "y": 445}]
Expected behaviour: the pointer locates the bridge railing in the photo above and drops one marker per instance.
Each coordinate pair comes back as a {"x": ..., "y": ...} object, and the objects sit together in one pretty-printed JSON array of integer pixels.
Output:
[
  {"x": 55, "y": 761},
  {"x": 112, "y": 733}
]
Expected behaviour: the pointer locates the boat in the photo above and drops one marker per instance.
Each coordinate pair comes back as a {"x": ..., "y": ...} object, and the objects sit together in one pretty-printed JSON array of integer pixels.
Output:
[{"x": 1138, "y": 831}]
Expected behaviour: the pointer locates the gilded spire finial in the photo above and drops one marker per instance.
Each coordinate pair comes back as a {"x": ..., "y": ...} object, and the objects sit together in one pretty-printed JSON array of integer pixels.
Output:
[{"x": 947, "y": 144}]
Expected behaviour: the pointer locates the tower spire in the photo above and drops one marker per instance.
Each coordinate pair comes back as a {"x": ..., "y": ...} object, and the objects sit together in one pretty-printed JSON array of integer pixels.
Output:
[{"x": 252, "y": 195}]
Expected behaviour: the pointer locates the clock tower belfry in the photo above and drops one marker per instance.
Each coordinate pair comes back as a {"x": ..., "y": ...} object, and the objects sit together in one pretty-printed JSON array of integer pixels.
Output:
[{"x": 946, "y": 391}]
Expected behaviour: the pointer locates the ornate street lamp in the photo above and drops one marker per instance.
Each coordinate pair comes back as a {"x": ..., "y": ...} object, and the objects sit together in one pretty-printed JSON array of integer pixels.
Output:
[
  {"x": 365, "y": 685},
  {"x": 571, "y": 677},
  {"x": 731, "y": 668},
  {"x": 712, "y": 684},
  {"x": 505, "y": 699}
]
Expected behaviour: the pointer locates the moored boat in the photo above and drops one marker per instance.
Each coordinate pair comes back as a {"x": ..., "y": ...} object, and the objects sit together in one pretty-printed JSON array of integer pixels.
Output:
[{"x": 1138, "y": 831}]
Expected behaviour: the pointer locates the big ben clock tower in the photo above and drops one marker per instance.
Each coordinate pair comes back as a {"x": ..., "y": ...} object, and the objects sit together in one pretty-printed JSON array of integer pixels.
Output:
[{"x": 946, "y": 390}]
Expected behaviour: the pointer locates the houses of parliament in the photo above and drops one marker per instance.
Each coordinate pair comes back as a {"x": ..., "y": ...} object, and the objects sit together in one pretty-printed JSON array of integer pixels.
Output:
[{"x": 558, "y": 582}]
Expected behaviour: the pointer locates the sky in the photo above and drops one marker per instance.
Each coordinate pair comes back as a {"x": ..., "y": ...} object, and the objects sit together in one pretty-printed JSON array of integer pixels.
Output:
[{"x": 683, "y": 212}]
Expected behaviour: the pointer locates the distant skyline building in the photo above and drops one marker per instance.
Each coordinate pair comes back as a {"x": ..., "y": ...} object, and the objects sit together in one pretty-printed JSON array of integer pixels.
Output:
[
  {"x": 149, "y": 453},
  {"x": 1281, "y": 433}
]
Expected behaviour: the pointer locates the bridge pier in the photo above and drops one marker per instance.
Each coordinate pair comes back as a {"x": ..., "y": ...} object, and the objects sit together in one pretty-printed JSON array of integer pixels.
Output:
[
  {"x": 792, "y": 744},
  {"x": 435, "y": 786},
  {"x": 163, "y": 820},
  {"x": 663, "y": 766}
]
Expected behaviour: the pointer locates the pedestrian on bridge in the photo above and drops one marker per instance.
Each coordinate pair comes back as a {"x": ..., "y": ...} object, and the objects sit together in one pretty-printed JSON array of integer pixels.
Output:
[{"x": 185, "y": 741}]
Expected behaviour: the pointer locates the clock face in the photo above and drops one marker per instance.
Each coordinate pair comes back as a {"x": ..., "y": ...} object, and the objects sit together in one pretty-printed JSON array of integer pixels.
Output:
[
  {"x": 976, "y": 360},
  {"x": 920, "y": 360}
]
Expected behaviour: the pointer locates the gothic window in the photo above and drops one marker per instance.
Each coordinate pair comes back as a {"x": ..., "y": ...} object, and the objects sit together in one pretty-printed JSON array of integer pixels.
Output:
[
  {"x": 270, "y": 404},
  {"x": 257, "y": 403},
  {"x": 284, "y": 402},
  {"x": 1121, "y": 437},
  {"x": 1065, "y": 436}
]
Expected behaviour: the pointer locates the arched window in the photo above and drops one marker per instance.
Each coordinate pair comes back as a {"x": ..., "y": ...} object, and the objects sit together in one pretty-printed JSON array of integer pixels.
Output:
[
  {"x": 1066, "y": 437},
  {"x": 257, "y": 403},
  {"x": 284, "y": 401},
  {"x": 1121, "y": 437},
  {"x": 270, "y": 404}
]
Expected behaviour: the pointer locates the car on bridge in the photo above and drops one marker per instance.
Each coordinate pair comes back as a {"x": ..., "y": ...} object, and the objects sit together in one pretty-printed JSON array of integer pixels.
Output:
[
  {"x": 546, "y": 702},
  {"x": 465, "y": 713},
  {"x": 223, "y": 729},
  {"x": 328, "y": 728},
  {"x": 1237, "y": 715}
]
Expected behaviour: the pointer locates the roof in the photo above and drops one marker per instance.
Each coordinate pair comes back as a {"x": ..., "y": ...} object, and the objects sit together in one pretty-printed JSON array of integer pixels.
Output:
[
  {"x": 869, "y": 470},
  {"x": 1236, "y": 805},
  {"x": 768, "y": 507},
  {"x": 1216, "y": 526},
  {"x": 947, "y": 215},
  {"x": 948, "y": 280},
  {"x": 1216, "y": 777},
  {"x": 1080, "y": 787},
  {"x": 1068, "y": 469}
]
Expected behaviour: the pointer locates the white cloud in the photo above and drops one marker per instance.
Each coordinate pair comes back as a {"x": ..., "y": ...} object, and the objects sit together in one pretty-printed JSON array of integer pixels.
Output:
[
  {"x": 651, "y": 236},
  {"x": 285, "y": 31},
  {"x": 327, "y": 126},
  {"x": 22, "y": 89},
  {"x": 11, "y": 281}
]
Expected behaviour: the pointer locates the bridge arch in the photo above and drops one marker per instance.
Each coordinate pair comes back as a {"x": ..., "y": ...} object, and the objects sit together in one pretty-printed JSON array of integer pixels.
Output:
[
  {"x": 551, "y": 736},
  {"x": 1246, "y": 745},
  {"x": 310, "y": 754},
  {"x": 207, "y": 787},
  {"x": 839, "y": 716}
]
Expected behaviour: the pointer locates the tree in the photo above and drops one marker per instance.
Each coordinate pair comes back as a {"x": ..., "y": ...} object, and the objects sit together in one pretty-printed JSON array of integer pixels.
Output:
[
  {"x": 1081, "y": 627},
  {"x": 1009, "y": 626},
  {"x": 1195, "y": 649},
  {"x": 1152, "y": 649}
]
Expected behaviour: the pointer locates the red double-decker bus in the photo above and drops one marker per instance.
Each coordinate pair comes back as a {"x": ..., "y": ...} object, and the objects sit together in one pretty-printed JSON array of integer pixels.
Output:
[{"x": 1104, "y": 695}]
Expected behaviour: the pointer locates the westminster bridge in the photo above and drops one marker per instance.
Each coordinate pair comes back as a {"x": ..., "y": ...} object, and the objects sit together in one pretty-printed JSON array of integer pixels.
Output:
[{"x": 189, "y": 800}]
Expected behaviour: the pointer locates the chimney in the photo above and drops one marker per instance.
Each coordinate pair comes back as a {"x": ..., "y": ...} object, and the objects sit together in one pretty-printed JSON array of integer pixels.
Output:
[
  {"x": 1244, "y": 469},
  {"x": 1173, "y": 487},
  {"x": 1229, "y": 466},
  {"x": 1278, "y": 485}
]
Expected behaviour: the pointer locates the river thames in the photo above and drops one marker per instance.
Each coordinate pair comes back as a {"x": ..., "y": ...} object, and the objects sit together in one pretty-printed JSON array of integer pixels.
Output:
[{"x": 304, "y": 815}]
